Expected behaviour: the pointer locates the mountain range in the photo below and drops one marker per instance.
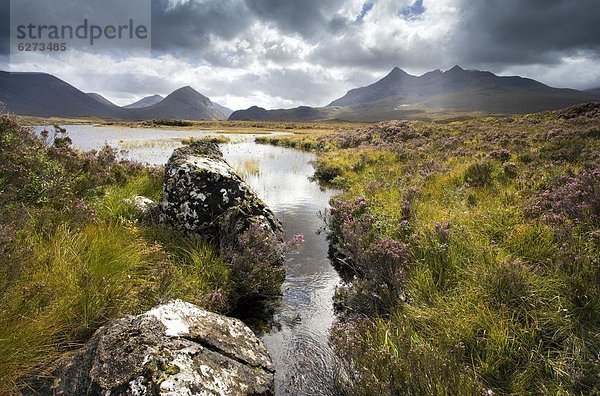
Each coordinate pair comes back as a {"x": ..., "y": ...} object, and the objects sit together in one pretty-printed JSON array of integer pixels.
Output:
[
  {"x": 433, "y": 95},
  {"x": 449, "y": 94},
  {"x": 44, "y": 95}
]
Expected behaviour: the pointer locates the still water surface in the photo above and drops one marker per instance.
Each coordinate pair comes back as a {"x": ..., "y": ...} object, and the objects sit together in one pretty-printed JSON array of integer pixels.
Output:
[{"x": 299, "y": 341}]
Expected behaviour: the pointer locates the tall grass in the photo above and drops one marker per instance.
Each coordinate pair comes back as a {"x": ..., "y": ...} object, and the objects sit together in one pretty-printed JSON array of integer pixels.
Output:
[
  {"x": 247, "y": 168},
  {"x": 74, "y": 254}
]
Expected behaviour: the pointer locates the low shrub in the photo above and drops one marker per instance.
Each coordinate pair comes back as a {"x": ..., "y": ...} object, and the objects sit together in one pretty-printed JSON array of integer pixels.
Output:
[
  {"x": 172, "y": 123},
  {"x": 479, "y": 174},
  {"x": 573, "y": 199},
  {"x": 255, "y": 265}
]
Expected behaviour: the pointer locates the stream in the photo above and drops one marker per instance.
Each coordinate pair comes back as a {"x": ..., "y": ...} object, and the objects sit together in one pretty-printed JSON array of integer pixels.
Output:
[{"x": 298, "y": 342}]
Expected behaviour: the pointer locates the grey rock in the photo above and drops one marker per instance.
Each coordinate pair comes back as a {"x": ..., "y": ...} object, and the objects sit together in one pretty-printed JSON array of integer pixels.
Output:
[
  {"x": 142, "y": 204},
  {"x": 173, "y": 349},
  {"x": 147, "y": 210},
  {"x": 203, "y": 194}
]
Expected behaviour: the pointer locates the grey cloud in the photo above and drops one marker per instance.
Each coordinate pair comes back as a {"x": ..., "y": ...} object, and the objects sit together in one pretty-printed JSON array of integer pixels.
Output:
[
  {"x": 494, "y": 35},
  {"x": 294, "y": 85},
  {"x": 189, "y": 25},
  {"x": 526, "y": 32},
  {"x": 348, "y": 51},
  {"x": 308, "y": 18}
]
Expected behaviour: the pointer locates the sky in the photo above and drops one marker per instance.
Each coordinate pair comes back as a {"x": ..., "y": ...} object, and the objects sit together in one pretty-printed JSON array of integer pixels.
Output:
[{"x": 286, "y": 53}]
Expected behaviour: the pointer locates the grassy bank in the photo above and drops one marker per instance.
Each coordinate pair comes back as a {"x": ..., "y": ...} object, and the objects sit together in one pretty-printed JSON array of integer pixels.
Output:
[
  {"x": 74, "y": 253},
  {"x": 471, "y": 252},
  {"x": 250, "y": 127}
]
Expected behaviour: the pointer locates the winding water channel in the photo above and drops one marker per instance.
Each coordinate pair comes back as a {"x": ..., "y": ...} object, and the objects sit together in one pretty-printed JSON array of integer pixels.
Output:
[{"x": 298, "y": 342}]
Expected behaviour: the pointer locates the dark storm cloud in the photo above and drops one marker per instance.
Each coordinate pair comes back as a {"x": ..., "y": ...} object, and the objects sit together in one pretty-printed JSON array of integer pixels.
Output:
[
  {"x": 309, "y": 18},
  {"x": 188, "y": 25},
  {"x": 494, "y": 34},
  {"x": 526, "y": 32},
  {"x": 500, "y": 32}
]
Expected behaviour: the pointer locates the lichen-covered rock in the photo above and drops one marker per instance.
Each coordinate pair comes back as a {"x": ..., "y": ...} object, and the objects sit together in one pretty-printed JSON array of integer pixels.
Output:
[
  {"x": 174, "y": 349},
  {"x": 203, "y": 196},
  {"x": 200, "y": 187}
]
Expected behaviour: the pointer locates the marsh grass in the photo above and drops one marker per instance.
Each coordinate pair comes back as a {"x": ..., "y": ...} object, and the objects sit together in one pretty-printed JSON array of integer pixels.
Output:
[
  {"x": 73, "y": 281},
  {"x": 247, "y": 168},
  {"x": 500, "y": 281},
  {"x": 210, "y": 139},
  {"x": 146, "y": 143}
]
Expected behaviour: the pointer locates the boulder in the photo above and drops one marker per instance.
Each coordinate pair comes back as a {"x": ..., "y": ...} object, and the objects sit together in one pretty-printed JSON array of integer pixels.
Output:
[
  {"x": 200, "y": 188},
  {"x": 173, "y": 349}
]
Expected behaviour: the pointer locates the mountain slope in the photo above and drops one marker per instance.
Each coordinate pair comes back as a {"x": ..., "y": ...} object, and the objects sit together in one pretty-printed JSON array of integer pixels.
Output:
[
  {"x": 225, "y": 110},
  {"x": 100, "y": 98},
  {"x": 184, "y": 103},
  {"x": 459, "y": 89},
  {"x": 41, "y": 94},
  {"x": 394, "y": 83},
  {"x": 594, "y": 91},
  {"x": 145, "y": 102}
]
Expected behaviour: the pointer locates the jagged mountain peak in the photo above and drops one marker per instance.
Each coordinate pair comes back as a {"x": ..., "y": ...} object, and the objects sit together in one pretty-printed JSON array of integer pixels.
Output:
[
  {"x": 396, "y": 74},
  {"x": 455, "y": 69}
]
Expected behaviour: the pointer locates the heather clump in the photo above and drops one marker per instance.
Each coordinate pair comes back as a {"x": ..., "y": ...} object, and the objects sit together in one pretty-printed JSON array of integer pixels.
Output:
[
  {"x": 255, "y": 266},
  {"x": 383, "y": 134},
  {"x": 587, "y": 110},
  {"x": 479, "y": 174},
  {"x": 571, "y": 200}
]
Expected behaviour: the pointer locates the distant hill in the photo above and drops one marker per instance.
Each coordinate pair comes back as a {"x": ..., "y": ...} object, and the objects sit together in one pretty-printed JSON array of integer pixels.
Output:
[
  {"x": 302, "y": 113},
  {"x": 44, "y": 95},
  {"x": 435, "y": 95},
  {"x": 100, "y": 98},
  {"x": 185, "y": 103},
  {"x": 438, "y": 94},
  {"x": 145, "y": 102},
  {"x": 594, "y": 91}
]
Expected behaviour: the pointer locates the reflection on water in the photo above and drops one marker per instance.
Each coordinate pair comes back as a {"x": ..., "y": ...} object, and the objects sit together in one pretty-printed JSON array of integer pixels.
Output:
[{"x": 299, "y": 344}]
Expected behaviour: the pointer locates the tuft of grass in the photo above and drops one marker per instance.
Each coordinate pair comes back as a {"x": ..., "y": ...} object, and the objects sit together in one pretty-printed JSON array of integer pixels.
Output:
[
  {"x": 247, "y": 168},
  {"x": 74, "y": 281}
]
